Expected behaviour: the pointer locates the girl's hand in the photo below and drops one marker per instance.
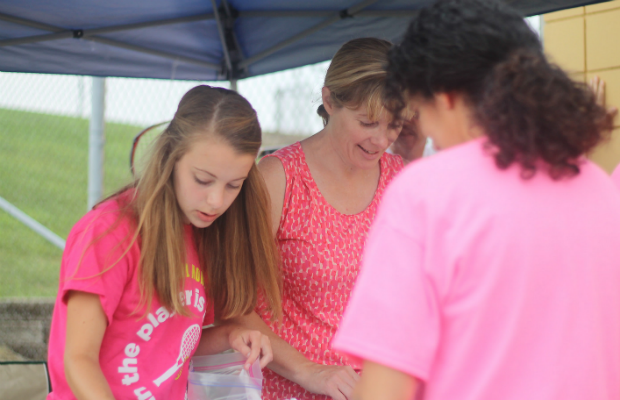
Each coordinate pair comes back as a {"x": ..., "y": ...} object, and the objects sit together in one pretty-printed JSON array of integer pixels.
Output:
[
  {"x": 252, "y": 344},
  {"x": 334, "y": 381},
  {"x": 597, "y": 85}
]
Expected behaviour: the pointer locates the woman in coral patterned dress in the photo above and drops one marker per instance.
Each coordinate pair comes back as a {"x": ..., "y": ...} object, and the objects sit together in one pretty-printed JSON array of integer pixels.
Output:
[{"x": 325, "y": 191}]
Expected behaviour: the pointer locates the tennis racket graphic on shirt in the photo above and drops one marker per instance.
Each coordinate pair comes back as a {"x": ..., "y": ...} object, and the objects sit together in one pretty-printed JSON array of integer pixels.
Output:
[{"x": 188, "y": 342}]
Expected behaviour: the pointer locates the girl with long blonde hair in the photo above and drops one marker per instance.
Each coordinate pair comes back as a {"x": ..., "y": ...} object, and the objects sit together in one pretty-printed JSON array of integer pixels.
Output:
[{"x": 187, "y": 243}]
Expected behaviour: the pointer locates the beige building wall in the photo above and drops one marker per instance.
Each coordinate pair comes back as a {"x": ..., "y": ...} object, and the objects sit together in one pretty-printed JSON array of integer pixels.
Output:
[{"x": 585, "y": 41}]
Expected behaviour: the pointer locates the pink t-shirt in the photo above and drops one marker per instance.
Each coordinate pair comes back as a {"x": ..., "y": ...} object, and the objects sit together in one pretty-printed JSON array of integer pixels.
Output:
[
  {"x": 486, "y": 286},
  {"x": 616, "y": 176},
  {"x": 143, "y": 358}
]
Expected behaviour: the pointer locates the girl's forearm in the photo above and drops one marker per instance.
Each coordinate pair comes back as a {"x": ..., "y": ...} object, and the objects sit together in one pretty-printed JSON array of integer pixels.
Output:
[
  {"x": 331, "y": 380},
  {"x": 215, "y": 339},
  {"x": 287, "y": 361},
  {"x": 381, "y": 382},
  {"x": 86, "y": 379}
]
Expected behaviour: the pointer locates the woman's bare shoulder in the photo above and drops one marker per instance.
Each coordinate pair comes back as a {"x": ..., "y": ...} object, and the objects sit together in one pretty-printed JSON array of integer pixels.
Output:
[{"x": 271, "y": 168}]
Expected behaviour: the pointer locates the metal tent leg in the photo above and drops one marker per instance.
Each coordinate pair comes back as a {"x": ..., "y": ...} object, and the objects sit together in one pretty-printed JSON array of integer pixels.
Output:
[{"x": 96, "y": 142}]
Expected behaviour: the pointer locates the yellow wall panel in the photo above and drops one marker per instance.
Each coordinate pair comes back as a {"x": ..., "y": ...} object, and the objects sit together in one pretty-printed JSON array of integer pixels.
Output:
[
  {"x": 594, "y": 48},
  {"x": 578, "y": 77},
  {"x": 608, "y": 5},
  {"x": 564, "y": 44},
  {"x": 573, "y": 12},
  {"x": 602, "y": 33}
]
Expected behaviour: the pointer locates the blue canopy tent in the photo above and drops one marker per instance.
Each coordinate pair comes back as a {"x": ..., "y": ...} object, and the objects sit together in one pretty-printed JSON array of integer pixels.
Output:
[
  {"x": 197, "y": 39},
  {"x": 191, "y": 40}
]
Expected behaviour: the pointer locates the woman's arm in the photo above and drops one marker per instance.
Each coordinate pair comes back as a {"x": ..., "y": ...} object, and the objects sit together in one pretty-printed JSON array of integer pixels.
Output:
[
  {"x": 331, "y": 380},
  {"x": 86, "y": 325},
  {"x": 250, "y": 343},
  {"x": 273, "y": 173},
  {"x": 383, "y": 383},
  {"x": 597, "y": 85},
  {"x": 334, "y": 381}
]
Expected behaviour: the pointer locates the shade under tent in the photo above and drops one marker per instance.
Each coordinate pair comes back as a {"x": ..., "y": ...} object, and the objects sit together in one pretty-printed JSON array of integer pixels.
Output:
[
  {"x": 198, "y": 39},
  {"x": 204, "y": 40}
]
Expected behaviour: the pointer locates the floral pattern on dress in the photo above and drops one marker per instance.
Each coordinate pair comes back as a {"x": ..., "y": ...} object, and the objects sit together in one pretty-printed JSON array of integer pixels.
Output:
[{"x": 321, "y": 251}]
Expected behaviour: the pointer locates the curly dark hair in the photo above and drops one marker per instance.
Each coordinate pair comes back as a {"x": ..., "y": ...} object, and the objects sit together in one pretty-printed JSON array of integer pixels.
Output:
[{"x": 530, "y": 109}]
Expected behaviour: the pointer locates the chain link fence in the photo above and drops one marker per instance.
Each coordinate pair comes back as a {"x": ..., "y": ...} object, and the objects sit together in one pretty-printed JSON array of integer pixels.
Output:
[
  {"x": 44, "y": 146},
  {"x": 44, "y": 139}
]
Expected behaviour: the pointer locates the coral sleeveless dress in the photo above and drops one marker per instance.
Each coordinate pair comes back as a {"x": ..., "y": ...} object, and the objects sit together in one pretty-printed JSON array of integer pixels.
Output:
[{"x": 321, "y": 253}]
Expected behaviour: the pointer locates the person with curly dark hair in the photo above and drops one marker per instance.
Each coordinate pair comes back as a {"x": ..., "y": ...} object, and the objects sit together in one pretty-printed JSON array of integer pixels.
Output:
[{"x": 492, "y": 270}]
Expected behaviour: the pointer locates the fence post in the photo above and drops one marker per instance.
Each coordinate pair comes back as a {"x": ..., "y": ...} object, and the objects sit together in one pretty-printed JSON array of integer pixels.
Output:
[{"x": 96, "y": 142}]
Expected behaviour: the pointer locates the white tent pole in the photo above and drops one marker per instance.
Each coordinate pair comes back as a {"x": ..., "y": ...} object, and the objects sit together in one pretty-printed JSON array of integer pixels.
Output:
[
  {"x": 233, "y": 85},
  {"x": 96, "y": 142}
]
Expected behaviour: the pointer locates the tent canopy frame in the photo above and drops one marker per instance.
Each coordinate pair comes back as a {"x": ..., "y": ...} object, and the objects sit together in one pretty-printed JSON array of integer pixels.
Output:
[{"x": 234, "y": 64}]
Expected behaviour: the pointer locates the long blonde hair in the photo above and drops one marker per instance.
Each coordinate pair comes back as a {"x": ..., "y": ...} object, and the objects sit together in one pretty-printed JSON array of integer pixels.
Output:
[
  {"x": 356, "y": 75},
  {"x": 237, "y": 252}
]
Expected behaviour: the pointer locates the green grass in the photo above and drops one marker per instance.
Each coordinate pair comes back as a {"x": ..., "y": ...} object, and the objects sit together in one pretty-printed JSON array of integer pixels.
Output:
[{"x": 44, "y": 172}]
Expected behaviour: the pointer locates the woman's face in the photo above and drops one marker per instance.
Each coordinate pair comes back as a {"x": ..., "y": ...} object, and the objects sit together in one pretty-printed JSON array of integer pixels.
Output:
[
  {"x": 410, "y": 143},
  {"x": 445, "y": 118},
  {"x": 360, "y": 141},
  {"x": 208, "y": 178}
]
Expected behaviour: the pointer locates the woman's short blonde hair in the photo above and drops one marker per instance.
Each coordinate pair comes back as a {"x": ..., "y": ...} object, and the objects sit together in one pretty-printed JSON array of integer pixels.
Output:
[{"x": 357, "y": 75}]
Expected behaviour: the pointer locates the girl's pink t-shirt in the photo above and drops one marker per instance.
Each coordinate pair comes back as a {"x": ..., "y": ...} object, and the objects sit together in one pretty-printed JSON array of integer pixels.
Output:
[
  {"x": 486, "y": 286},
  {"x": 616, "y": 176},
  {"x": 137, "y": 352}
]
